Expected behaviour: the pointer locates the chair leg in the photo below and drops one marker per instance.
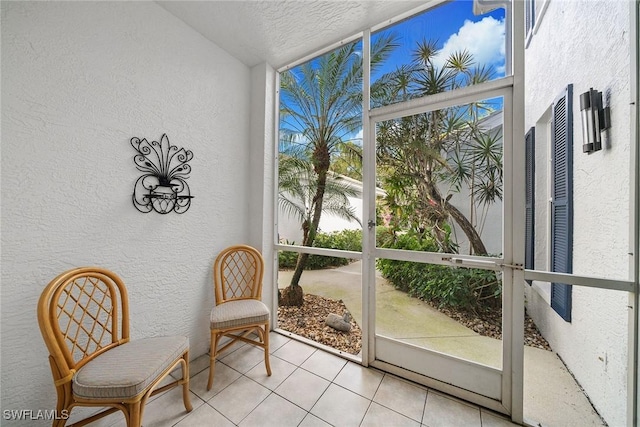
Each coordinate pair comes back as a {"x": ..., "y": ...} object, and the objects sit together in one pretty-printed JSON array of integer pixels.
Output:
[
  {"x": 212, "y": 358},
  {"x": 58, "y": 422},
  {"x": 185, "y": 384},
  {"x": 126, "y": 412},
  {"x": 59, "y": 407},
  {"x": 134, "y": 419},
  {"x": 63, "y": 404},
  {"x": 266, "y": 349}
]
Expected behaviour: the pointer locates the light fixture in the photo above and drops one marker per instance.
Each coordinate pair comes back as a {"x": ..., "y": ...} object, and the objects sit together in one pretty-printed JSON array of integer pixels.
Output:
[{"x": 595, "y": 119}]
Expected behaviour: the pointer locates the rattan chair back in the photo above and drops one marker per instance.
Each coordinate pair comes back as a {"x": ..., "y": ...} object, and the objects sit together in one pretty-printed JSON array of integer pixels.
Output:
[
  {"x": 82, "y": 313},
  {"x": 238, "y": 272}
]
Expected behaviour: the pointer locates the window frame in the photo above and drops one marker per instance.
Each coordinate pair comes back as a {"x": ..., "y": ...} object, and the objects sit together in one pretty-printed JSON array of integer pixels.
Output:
[
  {"x": 529, "y": 21},
  {"x": 534, "y": 12}
]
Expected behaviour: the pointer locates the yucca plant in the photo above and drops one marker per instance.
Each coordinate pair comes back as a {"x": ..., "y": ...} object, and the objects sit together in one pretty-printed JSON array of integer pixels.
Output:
[{"x": 425, "y": 158}]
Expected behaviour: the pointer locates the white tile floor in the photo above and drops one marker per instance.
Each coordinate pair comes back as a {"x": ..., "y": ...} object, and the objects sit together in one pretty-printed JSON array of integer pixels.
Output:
[{"x": 308, "y": 387}]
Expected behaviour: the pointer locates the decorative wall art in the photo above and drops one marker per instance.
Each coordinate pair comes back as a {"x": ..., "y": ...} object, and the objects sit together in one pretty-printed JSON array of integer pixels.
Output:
[{"x": 162, "y": 187}]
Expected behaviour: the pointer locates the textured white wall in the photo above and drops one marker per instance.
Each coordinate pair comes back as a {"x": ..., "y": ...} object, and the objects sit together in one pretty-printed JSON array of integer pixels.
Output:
[
  {"x": 262, "y": 212},
  {"x": 490, "y": 231},
  {"x": 79, "y": 80},
  {"x": 586, "y": 43}
]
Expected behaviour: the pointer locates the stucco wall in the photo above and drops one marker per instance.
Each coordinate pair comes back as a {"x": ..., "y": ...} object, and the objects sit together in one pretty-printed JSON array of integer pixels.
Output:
[
  {"x": 490, "y": 230},
  {"x": 586, "y": 44},
  {"x": 262, "y": 177},
  {"x": 79, "y": 80}
]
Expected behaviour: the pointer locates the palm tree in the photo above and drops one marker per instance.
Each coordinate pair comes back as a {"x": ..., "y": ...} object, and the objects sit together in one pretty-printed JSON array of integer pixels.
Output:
[
  {"x": 298, "y": 185},
  {"x": 418, "y": 154},
  {"x": 320, "y": 108},
  {"x": 348, "y": 161}
]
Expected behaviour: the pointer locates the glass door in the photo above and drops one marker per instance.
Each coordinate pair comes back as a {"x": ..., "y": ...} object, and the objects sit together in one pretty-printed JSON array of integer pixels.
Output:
[
  {"x": 439, "y": 233},
  {"x": 438, "y": 252}
]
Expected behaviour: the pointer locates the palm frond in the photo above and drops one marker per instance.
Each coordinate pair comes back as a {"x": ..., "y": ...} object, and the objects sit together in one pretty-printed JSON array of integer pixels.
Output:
[
  {"x": 425, "y": 52},
  {"x": 460, "y": 61}
]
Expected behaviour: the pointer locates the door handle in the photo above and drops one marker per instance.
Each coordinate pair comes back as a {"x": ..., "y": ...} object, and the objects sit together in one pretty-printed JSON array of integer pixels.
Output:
[{"x": 476, "y": 263}]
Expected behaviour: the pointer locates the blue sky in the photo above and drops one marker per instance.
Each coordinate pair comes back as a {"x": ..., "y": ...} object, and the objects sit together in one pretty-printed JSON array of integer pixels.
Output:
[{"x": 455, "y": 27}]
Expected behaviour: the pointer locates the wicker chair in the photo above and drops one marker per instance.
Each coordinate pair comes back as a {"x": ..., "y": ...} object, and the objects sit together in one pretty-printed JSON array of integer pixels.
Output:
[
  {"x": 238, "y": 314},
  {"x": 84, "y": 319}
]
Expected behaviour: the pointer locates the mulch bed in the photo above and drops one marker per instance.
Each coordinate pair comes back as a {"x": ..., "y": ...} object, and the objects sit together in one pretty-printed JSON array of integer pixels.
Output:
[
  {"x": 308, "y": 322},
  {"x": 489, "y": 324}
]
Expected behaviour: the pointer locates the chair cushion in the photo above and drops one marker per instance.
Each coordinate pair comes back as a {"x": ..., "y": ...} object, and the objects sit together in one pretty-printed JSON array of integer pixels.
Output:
[
  {"x": 233, "y": 314},
  {"x": 128, "y": 369}
]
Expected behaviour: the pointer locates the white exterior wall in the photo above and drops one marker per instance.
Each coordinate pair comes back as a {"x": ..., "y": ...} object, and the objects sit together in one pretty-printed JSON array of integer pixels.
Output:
[
  {"x": 79, "y": 80},
  {"x": 586, "y": 44},
  {"x": 490, "y": 231},
  {"x": 290, "y": 230}
]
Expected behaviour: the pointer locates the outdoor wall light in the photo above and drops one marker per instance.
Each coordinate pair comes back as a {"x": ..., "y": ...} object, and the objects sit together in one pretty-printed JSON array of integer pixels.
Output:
[{"x": 595, "y": 119}]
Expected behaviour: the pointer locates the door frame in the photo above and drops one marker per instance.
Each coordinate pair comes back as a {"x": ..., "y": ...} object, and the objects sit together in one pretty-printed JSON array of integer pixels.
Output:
[
  {"x": 494, "y": 383},
  {"x": 511, "y": 400}
]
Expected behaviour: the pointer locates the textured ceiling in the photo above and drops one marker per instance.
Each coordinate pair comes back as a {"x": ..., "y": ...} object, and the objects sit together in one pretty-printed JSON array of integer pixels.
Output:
[{"x": 280, "y": 32}]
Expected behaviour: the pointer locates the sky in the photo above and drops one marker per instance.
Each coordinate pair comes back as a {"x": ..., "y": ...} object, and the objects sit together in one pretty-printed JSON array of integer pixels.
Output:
[{"x": 454, "y": 27}]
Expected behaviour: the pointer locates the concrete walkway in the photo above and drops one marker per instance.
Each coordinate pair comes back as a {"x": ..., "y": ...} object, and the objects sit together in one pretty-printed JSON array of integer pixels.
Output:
[{"x": 552, "y": 398}]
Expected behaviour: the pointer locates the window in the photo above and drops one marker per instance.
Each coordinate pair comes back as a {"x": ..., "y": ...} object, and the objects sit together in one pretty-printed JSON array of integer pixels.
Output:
[
  {"x": 562, "y": 200},
  {"x": 529, "y": 19},
  {"x": 533, "y": 12}
]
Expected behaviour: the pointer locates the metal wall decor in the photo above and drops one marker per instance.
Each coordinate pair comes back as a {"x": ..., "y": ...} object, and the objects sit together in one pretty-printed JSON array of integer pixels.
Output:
[{"x": 162, "y": 188}]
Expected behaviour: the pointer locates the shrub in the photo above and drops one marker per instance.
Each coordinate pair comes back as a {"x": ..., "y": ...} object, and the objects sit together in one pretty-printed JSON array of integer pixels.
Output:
[
  {"x": 471, "y": 289},
  {"x": 287, "y": 260},
  {"x": 348, "y": 240}
]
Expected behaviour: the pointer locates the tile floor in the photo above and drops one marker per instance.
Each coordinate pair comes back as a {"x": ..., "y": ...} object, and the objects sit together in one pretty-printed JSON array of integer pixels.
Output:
[{"x": 308, "y": 387}]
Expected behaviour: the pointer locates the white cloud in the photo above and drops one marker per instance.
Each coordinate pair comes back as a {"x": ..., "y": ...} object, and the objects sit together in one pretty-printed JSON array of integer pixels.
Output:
[
  {"x": 484, "y": 39},
  {"x": 357, "y": 138}
]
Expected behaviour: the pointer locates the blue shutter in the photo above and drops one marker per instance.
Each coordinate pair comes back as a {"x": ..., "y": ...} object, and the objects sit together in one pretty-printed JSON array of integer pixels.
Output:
[
  {"x": 562, "y": 205},
  {"x": 530, "y": 198}
]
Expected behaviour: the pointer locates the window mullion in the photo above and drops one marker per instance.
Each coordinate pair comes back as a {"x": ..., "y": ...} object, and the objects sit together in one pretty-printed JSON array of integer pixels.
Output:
[{"x": 442, "y": 100}]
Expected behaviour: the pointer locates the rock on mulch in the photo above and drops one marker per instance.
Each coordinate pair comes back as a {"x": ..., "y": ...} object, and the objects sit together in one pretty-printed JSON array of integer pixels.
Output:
[{"x": 309, "y": 321}]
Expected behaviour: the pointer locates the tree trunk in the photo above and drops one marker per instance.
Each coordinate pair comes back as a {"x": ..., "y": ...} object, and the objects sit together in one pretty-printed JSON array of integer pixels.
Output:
[
  {"x": 300, "y": 264},
  {"x": 293, "y": 295},
  {"x": 469, "y": 230}
]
